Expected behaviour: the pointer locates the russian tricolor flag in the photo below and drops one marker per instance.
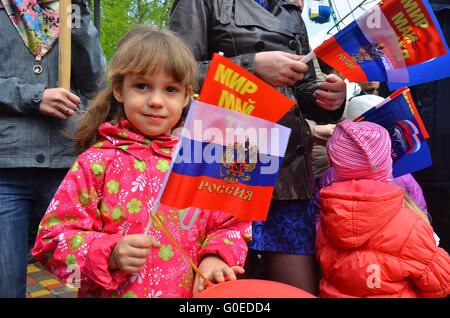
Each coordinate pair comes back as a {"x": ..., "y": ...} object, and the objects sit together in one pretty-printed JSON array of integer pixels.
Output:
[
  {"x": 225, "y": 161},
  {"x": 399, "y": 116},
  {"x": 385, "y": 42}
]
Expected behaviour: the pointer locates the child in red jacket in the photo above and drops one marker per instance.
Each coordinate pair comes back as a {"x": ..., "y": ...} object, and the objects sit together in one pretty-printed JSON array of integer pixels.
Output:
[
  {"x": 369, "y": 243},
  {"x": 94, "y": 230}
]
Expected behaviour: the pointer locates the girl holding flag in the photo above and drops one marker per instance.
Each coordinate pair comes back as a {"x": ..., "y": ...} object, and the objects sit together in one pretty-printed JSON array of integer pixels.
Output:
[{"x": 93, "y": 228}]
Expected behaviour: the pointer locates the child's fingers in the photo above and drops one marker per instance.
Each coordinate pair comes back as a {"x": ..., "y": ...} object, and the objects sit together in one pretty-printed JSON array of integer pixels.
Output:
[
  {"x": 199, "y": 285},
  {"x": 226, "y": 273},
  {"x": 136, "y": 262},
  {"x": 217, "y": 276},
  {"x": 230, "y": 272},
  {"x": 238, "y": 269},
  {"x": 154, "y": 242},
  {"x": 140, "y": 253},
  {"x": 142, "y": 241}
]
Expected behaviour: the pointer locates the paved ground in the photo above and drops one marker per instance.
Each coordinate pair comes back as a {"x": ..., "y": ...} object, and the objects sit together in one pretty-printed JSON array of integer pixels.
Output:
[{"x": 43, "y": 284}]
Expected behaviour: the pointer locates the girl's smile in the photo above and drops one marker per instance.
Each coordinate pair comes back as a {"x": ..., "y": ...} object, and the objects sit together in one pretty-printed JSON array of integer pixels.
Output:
[{"x": 154, "y": 119}]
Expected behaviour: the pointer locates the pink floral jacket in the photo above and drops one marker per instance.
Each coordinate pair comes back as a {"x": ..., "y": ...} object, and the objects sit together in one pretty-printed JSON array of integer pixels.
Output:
[{"x": 108, "y": 193}]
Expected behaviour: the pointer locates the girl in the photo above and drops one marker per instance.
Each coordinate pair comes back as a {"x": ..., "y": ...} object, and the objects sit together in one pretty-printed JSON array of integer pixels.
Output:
[
  {"x": 92, "y": 230},
  {"x": 369, "y": 243}
]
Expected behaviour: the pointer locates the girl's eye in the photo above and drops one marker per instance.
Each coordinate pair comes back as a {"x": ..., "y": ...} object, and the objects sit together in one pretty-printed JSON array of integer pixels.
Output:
[
  {"x": 142, "y": 86},
  {"x": 171, "y": 89}
]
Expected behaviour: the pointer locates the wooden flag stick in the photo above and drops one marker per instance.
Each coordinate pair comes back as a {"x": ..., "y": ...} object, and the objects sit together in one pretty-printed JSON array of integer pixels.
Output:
[
  {"x": 65, "y": 25},
  {"x": 164, "y": 228}
]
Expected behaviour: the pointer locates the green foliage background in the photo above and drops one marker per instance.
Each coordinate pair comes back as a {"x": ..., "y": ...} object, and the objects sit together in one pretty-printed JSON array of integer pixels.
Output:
[{"x": 120, "y": 16}]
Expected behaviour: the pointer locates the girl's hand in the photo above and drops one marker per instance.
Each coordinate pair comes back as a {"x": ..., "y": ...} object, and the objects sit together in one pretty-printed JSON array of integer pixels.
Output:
[
  {"x": 216, "y": 270},
  {"x": 130, "y": 253}
]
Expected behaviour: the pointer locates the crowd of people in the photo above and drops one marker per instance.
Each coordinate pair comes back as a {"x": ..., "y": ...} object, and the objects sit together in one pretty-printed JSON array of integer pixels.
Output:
[{"x": 88, "y": 165}]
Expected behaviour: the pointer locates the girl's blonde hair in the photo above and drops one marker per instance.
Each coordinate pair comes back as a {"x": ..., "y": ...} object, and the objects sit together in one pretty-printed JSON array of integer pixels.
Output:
[
  {"x": 143, "y": 50},
  {"x": 412, "y": 205}
]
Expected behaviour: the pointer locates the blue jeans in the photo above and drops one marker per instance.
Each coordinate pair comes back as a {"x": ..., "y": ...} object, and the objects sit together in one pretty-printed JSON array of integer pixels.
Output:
[{"x": 25, "y": 194}]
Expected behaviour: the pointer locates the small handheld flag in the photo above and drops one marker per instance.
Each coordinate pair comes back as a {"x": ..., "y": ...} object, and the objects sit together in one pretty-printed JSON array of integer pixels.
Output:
[
  {"x": 225, "y": 161},
  {"x": 399, "y": 116},
  {"x": 385, "y": 42},
  {"x": 230, "y": 86},
  {"x": 230, "y": 149}
]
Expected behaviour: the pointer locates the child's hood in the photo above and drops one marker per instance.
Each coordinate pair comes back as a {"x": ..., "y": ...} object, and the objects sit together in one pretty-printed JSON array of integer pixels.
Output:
[
  {"x": 124, "y": 136},
  {"x": 353, "y": 211}
]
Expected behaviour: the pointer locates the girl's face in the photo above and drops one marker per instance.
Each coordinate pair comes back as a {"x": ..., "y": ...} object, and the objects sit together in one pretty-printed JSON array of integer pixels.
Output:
[{"x": 153, "y": 102}]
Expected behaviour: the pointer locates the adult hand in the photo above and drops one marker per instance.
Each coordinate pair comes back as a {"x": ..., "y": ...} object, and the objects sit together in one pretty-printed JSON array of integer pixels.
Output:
[
  {"x": 322, "y": 133},
  {"x": 216, "y": 270},
  {"x": 279, "y": 68},
  {"x": 130, "y": 253},
  {"x": 59, "y": 103},
  {"x": 331, "y": 93}
]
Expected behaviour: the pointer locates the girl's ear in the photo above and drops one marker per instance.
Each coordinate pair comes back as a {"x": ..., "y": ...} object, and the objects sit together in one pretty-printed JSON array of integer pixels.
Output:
[
  {"x": 188, "y": 96},
  {"x": 117, "y": 91}
]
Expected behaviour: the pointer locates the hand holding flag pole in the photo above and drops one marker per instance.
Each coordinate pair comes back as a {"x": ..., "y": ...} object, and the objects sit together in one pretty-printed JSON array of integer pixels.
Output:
[{"x": 166, "y": 231}]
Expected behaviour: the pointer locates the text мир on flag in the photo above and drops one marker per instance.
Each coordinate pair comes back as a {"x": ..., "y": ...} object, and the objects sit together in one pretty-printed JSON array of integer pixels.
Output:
[{"x": 385, "y": 42}]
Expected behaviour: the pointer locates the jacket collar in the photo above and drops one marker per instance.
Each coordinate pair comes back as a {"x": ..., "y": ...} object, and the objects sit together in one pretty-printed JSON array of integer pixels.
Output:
[{"x": 124, "y": 136}]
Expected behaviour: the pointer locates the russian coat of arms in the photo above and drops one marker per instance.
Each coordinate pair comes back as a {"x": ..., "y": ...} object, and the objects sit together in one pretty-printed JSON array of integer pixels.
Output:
[
  {"x": 238, "y": 160},
  {"x": 367, "y": 53}
]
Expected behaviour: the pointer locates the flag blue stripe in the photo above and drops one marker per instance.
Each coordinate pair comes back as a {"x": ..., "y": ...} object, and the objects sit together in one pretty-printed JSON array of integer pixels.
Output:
[
  {"x": 197, "y": 158},
  {"x": 351, "y": 39}
]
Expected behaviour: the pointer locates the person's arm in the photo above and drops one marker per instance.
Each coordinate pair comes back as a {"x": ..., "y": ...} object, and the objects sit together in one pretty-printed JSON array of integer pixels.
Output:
[
  {"x": 88, "y": 59},
  {"x": 195, "y": 15},
  {"x": 88, "y": 66},
  {"x": 426, "y": 264},
  {"x": 224, "y": 249},
  {"x": 19, "y": 97},
  {"x": 70, "y": 241},
  {"x": 226, "y": 236}
]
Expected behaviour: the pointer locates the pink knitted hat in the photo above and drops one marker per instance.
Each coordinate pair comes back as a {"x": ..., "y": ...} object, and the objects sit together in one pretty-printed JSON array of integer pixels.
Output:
[{"x": 360, "y": 150}]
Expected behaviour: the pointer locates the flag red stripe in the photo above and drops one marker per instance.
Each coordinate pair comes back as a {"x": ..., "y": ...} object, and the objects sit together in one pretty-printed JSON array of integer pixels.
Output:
[
  {"x": 246, "y": 202},
  {"x": 419, "y": 37},
  {"x": 334, "y": 55}
]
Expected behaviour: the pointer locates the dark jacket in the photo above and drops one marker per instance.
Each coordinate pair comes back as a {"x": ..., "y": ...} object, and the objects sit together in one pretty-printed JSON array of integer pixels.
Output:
[
  {"x": 240, "y": 29},
  {"x": 433, "y": 103},
  {"x": 28, "y": 138},
  {"x": 438, "y": 5}
]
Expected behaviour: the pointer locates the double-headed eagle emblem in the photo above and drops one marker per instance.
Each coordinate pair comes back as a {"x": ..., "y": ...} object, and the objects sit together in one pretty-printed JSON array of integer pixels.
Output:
[
  {"x": 238, "y": 161},
  {"x": 367, "y": 53}
]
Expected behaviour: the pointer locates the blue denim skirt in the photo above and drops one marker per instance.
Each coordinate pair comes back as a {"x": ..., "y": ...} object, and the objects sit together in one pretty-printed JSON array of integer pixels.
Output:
[{"x": 289, "y": 228}]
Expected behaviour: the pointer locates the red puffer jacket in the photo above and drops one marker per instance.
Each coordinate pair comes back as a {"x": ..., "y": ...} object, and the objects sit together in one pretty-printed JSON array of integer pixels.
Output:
[{"x": 370, "y": 245}]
